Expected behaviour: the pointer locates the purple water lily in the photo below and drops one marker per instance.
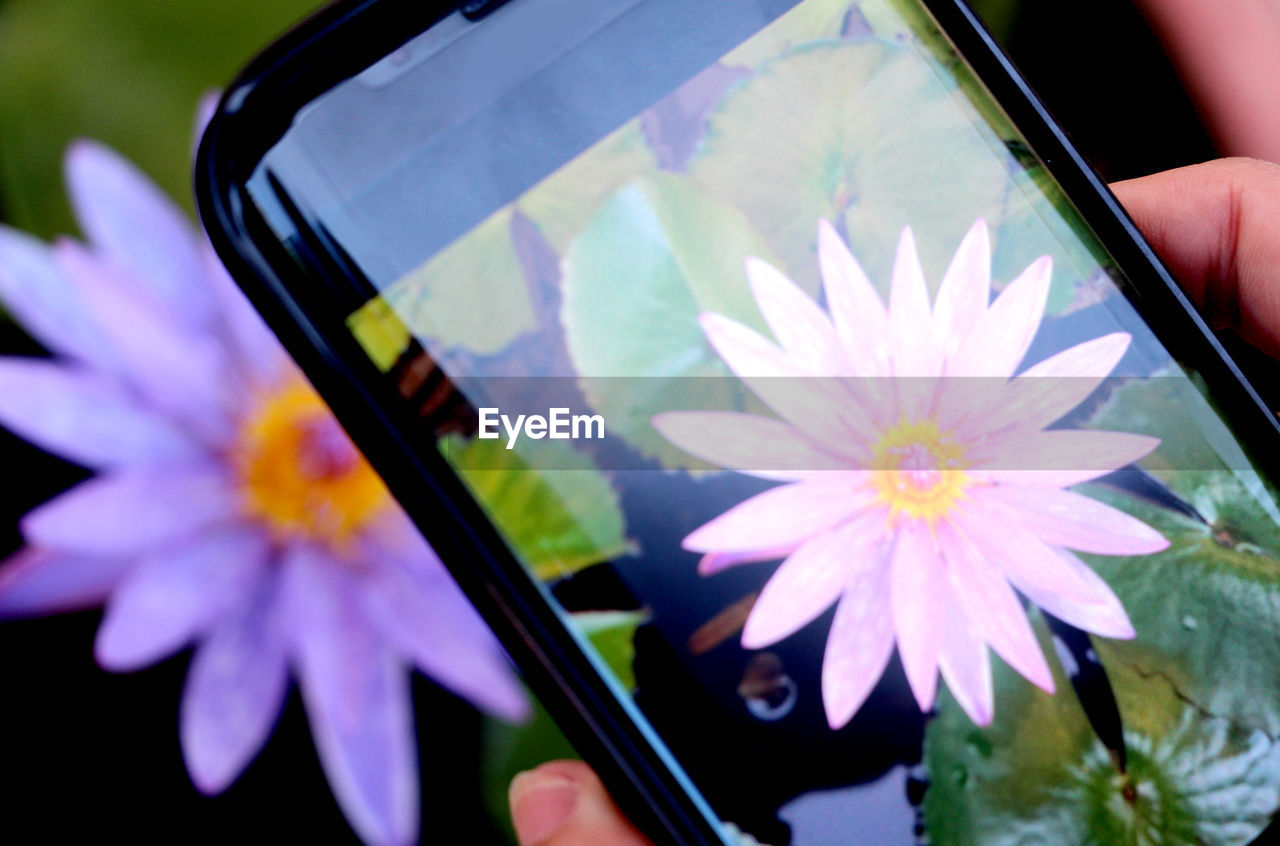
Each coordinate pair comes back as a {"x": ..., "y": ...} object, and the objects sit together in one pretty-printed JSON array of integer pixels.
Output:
[{"x": 228, "y": 510}]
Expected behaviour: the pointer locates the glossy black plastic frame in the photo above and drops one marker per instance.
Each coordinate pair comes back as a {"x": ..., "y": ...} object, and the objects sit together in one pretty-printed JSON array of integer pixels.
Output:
[{"x": 284, "y": 283}]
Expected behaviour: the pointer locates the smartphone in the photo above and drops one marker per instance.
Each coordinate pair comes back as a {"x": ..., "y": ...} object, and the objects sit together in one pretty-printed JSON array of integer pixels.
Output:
[{"x": 828, "y": 449}]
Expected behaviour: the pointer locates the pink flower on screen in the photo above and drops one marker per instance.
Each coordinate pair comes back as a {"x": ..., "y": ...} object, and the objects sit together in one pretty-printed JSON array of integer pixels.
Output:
[
  {"x": 922, "y": 490},
  {"x": 228, "y": 510}
]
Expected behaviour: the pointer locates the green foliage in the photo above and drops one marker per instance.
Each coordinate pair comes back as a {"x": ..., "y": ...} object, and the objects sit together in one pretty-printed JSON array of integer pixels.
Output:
[
  {"x": 127, "y": 72},
  {"x": 656, "y": 255}
]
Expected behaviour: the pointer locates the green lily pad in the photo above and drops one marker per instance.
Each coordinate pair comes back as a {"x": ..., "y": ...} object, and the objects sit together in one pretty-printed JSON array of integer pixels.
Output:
[
  {"x": 558, "y": 521},
  {"x": 380, "y": 332},
  {"x": 812, "y": 21},
  {"x": 473, "y": 294},
  {"x": 858, "y": 131},
  {"x": 562, "y": 204},
  {"x": 613, "y": 634},
  {"x": 656, "y": 255},
  {"x": 1039, "y": 774}
]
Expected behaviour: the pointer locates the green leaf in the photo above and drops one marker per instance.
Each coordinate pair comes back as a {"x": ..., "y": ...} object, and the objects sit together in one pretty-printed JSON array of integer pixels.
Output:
[
  {"x": 1038, "y": 774},
  {"x": 862, "y": 131},
  {"x": 812, "y": 21},
  {"x": 562, "y": 204},
  {"x": 613, "y": 635},
  {"x": 558, "y": 521},
  {"x": 473, "y": 294},
  {"x": 653, "y": 257},
  {"x": 380, "y": 333}
]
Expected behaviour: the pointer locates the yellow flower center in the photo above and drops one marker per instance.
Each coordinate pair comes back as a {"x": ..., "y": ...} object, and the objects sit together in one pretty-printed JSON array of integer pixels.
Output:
[
  {"x": 299, "y": 473},
  {"x": 918, "y": 471}
]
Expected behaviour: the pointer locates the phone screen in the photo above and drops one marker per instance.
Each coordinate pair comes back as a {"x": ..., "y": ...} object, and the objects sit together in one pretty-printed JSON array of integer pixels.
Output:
[{"x": 834, "y": 432}]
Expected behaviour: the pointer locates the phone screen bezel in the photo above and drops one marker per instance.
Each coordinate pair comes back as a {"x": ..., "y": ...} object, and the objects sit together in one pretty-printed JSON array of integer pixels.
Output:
[{"x": 293, "y": 282}]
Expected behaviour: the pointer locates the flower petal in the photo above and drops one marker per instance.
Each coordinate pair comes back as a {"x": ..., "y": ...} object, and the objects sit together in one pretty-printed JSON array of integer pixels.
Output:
[
  {"x": 1050, "y": 389},
  {"x": 423, "y": 613},
  {"x": 757, "y": 446},
  {"x": 812, "y": 578},
  {"x": 1083, "y": 453},
  {"x": 258, "y": 353},
  {"x": 858, "y": 648},
  {"x": 917, "y": 593},
  {"x": 126, "y": 217},
  {"x": 38, "y": 582},
  {"x": 910, "y": 338},
  {"x": 1066, "y": 518},
  {"x": 180, "y": 369},
  {"x": 801, "y": 328},
  {"x": 175, "y": 594},
  {"x": 860, "y": 318},
  {"x": 129, "y": 512},
  {"x": 1100, "y": 613},
  {"x": 1026, "y": 561},
  {"x": 1004, "y": 332},
  {"x": 966, "y": 668},
  {"x": 965, "y": 289},
  {"x": 715, "y": 562},
  {"x": 989, "y": 606},
  {"x": 44, "y": 301},
  {"x": 80, "y": 416},
  {"x": 357, "y": 698},
  {"x": 234, "y": 691},
  {"x": 819, "y": 406},
  {"x": 785, "y": 515}
]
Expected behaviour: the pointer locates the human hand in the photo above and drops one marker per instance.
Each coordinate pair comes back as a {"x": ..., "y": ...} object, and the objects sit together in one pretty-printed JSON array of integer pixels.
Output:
[{"x": 1217, "y": 225}]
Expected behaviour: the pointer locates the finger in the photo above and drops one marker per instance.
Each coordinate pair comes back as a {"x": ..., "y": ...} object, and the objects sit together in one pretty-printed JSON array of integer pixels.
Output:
[
  {"x": 563, "y": 803},
  {"x": 1217, "y": 227},
  {"x": 1229, "y": 53}
]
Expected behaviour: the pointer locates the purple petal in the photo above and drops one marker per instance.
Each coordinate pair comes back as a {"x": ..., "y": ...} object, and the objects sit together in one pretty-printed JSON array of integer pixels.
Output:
[
  {"x": 182, "y": 370},
  {"x": 757, "y": 446},
  {"x": 913, "y": 349},
  {"x": 1084, "y": 453},
  {"x": 175, "y": 594},
  {"x": 1065, "y": 518},
  {"x": 423, "y": 614},
  {"x": 965, "y": 288},
  {"x": 234, "y": 691},
  {"x": 35, "y": 582},
  {"x": 966, "y": 668},
  {"x": 858, "y": 648},
  {"x": 812, "y": 578},
  {"x": 1100, "y": 613},
  {"x": 82, "y": 417},
  {"x": 802, "y": 329},
  {"x": 785, "y": 515},
  {"x": 715, "y": 562},
  {"x": 357, "y": 698},
  {"x": 1025, "y": 560},
  {"x": 988, "y": 604},
  {"x": 44, "y": 301},
  {"x": 819, "y": 406},
  {"x": 1050, "y": 389},
  {"x": 133, "y": 224},
  {"x": 129, "y": 513},
  {"x": 1004, "y": 332},
  {"x": 257, "y": 352},
  {"x": 918, "y": 594},
  {"x": 860, "y": 318}
]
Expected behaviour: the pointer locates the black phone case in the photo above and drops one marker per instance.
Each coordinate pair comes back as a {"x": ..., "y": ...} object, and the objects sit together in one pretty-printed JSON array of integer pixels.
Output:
[{"x": 295, "y": 281}]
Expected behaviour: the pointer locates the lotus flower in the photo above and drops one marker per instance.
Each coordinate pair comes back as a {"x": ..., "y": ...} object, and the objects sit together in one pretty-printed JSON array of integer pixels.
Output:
[
  {"x": 228, "y": 511},
  {"x": 923, "y": 490}
]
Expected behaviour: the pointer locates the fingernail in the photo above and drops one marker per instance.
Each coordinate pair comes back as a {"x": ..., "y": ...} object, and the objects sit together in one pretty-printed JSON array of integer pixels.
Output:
[{"x": 541, "y": 804}]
